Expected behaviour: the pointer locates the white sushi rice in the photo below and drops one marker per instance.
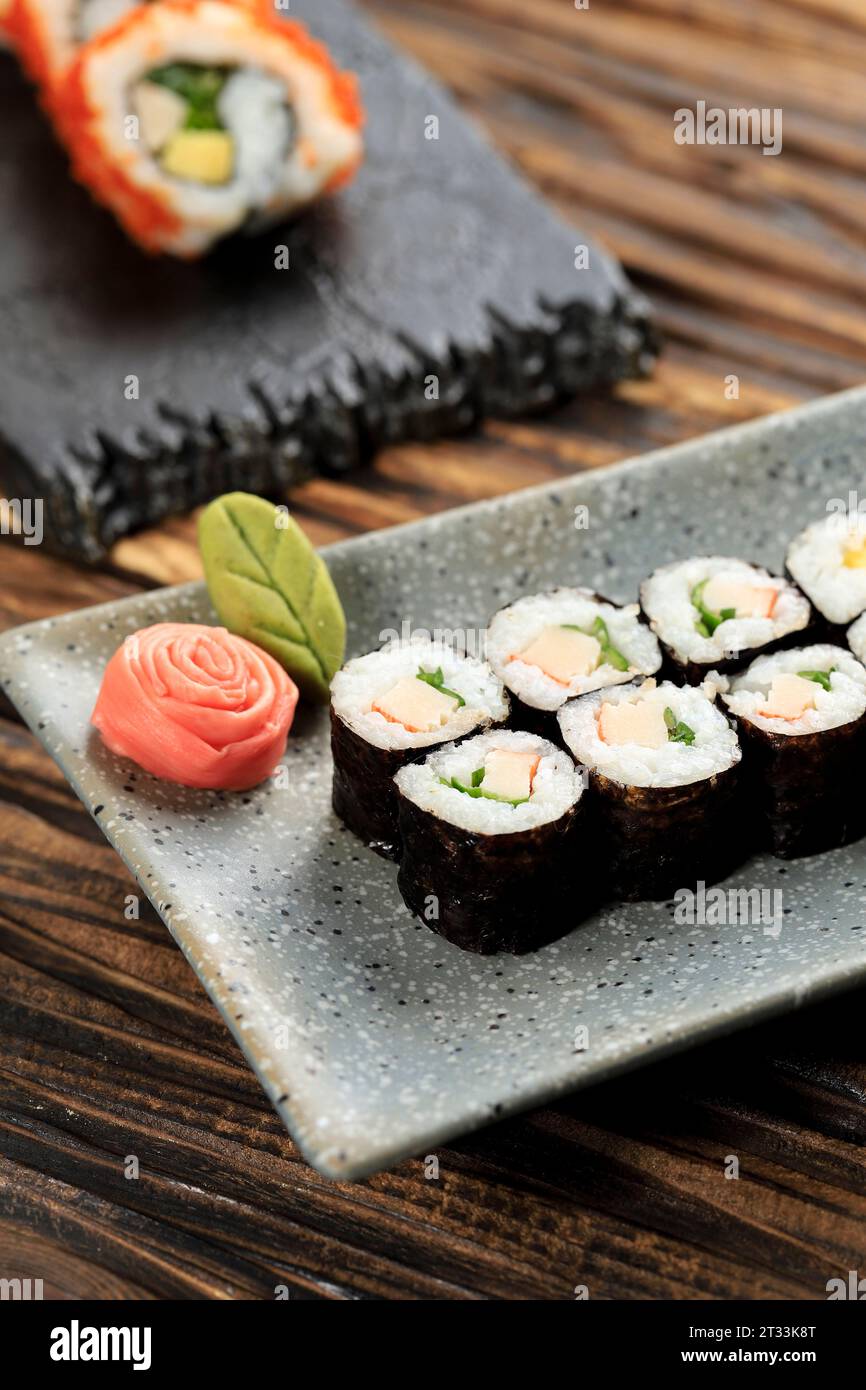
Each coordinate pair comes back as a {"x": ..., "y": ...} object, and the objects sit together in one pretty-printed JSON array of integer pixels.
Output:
[
  {"x": 816, "y": 559},
  {"x": 253, "y": 107},
  {"x": 714, "y": 750},
  {"x": 844, "y": 701},
  {"x": 362, "y": 681},
  {"x": 666, "y": 598},
  {"x": 857, "y": 638},
  {"x": 557, "y": 785},
  {"x": 513, "y": 629}
]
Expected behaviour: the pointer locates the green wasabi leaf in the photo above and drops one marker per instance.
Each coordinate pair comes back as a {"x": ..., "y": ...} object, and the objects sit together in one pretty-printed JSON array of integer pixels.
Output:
[
  {"x": 821, "y": 677},
  {"x": 708, "y": 620},
  {"x": 437, "y": 680},
  {"x": 267, "y": 584},
  {"x": 678, "y": 732}
]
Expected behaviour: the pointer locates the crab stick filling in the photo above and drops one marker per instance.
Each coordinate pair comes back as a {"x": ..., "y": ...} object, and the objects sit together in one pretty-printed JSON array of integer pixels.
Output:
[
  {"x": 562, "y": 654},
  {"x": 746, "y": 600},
  {"x": 509, "y": 774},
  {"x": 789, "y": 697},
  {"x": 419, "y": 707},
  {"x": 641, "y": 723}
]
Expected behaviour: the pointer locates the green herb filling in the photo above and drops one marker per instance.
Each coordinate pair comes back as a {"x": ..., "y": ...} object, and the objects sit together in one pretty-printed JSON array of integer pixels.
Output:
[
  {"x": 200, "y": 88},
  {"x": 678, "y": 732},
  {"x": 437, "y": 680}
]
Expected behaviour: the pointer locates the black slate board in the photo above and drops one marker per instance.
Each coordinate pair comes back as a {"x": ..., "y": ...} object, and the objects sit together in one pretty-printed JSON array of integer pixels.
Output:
[{"x": 439, "y": 261}]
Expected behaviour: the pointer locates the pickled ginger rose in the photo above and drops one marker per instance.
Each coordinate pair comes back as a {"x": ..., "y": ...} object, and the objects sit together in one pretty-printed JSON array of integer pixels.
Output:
[{"x": 196, "y": 705}]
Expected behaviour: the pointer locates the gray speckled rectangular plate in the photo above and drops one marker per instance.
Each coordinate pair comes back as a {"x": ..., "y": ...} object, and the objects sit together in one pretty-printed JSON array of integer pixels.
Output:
[{"x": 374, "y": 1038}]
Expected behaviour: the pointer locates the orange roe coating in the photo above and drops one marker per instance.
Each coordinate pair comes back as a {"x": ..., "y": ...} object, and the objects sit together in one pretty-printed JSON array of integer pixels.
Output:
[
  {"x": 146, "y": 216},
  {"x": 26, "y": 32}
]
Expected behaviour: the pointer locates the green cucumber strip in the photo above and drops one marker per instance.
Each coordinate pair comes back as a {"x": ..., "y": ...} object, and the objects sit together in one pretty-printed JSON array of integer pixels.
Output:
[
  {"x": 437, "y": 680},
  {"x": 708, "y": 621},
  {"x": 476, "y": 789},
  {"x": 821, "y": 678}
]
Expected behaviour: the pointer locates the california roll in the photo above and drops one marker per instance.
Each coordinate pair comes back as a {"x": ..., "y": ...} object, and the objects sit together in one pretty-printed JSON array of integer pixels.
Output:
[{"x": 195, "y": 119}]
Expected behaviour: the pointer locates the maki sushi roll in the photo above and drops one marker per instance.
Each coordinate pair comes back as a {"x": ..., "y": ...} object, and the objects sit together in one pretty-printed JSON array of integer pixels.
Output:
[
  {"x": 391, "y": 707},
  {"x": 549, "y": 648},
  {"x": 828, "y": 561},
  {"x": 194, "y": 119},
  {"x": 664, "y": 775},
  {"x": 801, "y": 716},
  {"x": 492, "y": 842},
  {"x": 714, "y": 613}
]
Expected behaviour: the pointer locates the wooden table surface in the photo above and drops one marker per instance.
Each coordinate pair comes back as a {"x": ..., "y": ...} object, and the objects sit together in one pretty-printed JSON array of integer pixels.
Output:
[{"x": 109, "y": 1047}]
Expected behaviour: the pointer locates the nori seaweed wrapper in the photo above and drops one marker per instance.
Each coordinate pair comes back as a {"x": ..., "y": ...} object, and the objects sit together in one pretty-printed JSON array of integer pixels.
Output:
[
  {"x": 694, "y": 672},
  {"x": 660, "y": 839},
  {"x": 364, "y": 796},
  {"x": 805, "y": 789},
  {"x": 493, "y": 893},
  {"x": 528, "y": 719}
]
